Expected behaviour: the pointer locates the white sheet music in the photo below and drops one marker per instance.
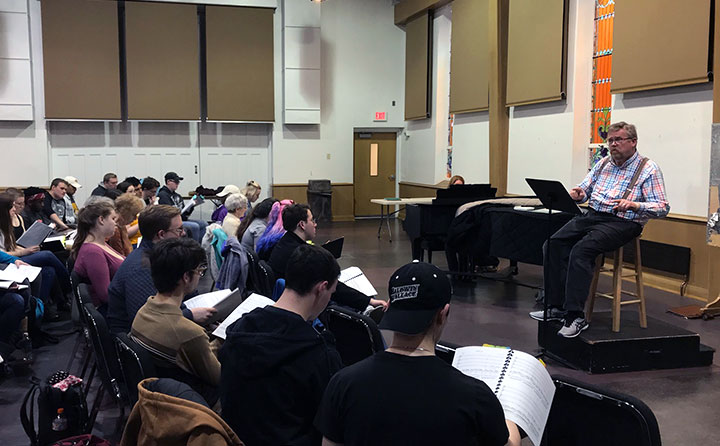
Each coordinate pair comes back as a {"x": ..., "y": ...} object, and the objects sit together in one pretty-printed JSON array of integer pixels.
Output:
[
  {"x": 210, "y": 299},
  {"x": 6, "y": 284},
  {"x": 252, "y": 302},
  {"x": 17, "y": 274},
  {"x": 354, "y": 278},
  {"x": 525, "y": 390}
]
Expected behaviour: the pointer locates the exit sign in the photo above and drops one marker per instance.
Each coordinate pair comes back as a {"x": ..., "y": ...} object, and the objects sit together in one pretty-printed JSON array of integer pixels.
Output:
[{"x": 380, "y": 116}]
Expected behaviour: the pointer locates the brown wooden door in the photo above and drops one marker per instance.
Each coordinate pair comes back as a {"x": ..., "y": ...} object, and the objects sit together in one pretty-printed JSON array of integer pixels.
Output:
[{"x": 374, "y": 171}]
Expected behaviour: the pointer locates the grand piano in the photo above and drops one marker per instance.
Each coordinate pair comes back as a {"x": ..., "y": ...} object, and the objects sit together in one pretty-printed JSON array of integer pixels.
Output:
[{"x": 427, "y": 224}]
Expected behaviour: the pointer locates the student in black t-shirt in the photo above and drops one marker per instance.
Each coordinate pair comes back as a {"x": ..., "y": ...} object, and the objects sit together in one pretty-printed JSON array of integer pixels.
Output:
[
  {"x": 407, "y": 395},
  {"x": 54, "y": 203}
]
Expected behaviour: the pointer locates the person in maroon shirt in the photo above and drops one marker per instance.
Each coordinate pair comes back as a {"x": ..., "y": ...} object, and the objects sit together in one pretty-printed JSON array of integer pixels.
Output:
[{"x": 95, "y": 260}]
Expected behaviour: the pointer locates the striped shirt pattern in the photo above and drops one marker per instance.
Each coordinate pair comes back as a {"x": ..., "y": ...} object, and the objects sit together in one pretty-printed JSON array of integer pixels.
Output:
[{"x": 609, "y": 184}]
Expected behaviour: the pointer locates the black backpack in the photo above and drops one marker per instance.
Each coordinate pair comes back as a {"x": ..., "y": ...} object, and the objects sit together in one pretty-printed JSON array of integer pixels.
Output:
[{"x": 49, "y": 400}]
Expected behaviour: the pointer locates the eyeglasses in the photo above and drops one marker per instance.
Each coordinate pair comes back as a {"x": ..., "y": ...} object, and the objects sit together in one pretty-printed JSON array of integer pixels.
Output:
[
  {"x": 200, "y": 270},
  {"x": 177, "y": 231},
  {"x": 617, "y": 140}
]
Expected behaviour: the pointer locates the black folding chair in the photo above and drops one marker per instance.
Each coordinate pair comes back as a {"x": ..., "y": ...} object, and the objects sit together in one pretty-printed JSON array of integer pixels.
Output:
[
  {"x": 136, "y": 364},
  {"x": 588, "y": 415},
  {"x": 357, "y": 335},
  {"x": 80, "y": 295},
  {"x": 106, "y": 363}
]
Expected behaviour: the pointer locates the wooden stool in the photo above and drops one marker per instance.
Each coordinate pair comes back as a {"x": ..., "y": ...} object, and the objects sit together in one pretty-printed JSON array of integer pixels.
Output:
[{"x": 616, "y": 295}]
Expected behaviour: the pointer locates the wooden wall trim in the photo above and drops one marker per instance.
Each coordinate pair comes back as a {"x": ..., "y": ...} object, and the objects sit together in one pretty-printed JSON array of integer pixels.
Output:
[
  {"x": 498, "y": 113},
  {"x": 440, "y": 185}
]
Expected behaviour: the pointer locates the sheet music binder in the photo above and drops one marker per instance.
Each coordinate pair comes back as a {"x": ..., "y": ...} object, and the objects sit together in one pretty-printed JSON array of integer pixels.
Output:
[
  {"x": 35, "y": 235},
  {"x": 508, "y": 358}
]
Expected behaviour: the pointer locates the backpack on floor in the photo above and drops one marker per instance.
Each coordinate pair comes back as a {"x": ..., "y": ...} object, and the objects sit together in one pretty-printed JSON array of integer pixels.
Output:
[{"x": 49, "y": 400}]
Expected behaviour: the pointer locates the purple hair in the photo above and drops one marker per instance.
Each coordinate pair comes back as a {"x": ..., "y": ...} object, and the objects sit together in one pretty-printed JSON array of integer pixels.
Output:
[{"x": 274, "y": 230}]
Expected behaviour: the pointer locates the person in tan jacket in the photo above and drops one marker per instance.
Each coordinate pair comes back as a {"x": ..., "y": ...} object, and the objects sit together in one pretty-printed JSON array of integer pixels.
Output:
[
  {"x": 169, "y": 413},
  {"x": 179, "y": 347}
]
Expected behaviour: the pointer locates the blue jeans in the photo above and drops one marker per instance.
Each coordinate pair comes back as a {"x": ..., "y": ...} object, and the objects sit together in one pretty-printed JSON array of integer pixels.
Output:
[
  {"x": 195, "y": 228},
  {"x": 12, "y": 311},
  {"x": 52, "y": 268}
]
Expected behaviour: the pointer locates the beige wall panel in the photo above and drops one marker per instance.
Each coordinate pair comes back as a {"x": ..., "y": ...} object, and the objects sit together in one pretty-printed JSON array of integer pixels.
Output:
[
  {"x": 417, "y": 67},
  {"x": 240, "y": 85},
  {"x": 536, "y": 51},
  {"x": 659, "y": 43},
  {"x": 163, "y": 66},
  {"x": 470, "y": 56},
  {"x": 81, "y": 59}
]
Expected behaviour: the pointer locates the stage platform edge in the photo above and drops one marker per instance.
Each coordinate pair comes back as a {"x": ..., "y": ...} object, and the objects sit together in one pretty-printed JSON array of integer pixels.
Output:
[{"x": 599, "y": 350}]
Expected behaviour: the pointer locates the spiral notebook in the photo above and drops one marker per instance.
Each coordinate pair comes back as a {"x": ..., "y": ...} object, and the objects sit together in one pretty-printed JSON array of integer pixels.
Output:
[{"x": 521, "y": 383}]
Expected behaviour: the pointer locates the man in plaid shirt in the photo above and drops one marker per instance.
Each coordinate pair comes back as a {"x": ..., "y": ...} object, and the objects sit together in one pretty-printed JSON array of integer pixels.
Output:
[{"x": 624, "y": 191}]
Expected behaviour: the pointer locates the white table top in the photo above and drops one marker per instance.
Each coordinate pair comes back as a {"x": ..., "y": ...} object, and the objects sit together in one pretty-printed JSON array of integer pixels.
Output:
[{"x": 402, "y": 201}]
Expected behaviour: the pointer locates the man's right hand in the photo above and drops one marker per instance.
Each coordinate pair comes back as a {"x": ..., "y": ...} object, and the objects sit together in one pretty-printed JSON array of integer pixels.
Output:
[
  {"x": 202, "y": 314},
  {"x": 577, "y": 194}
]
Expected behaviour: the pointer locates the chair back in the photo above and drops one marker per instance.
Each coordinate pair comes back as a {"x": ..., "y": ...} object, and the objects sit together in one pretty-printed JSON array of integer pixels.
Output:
[
  {"x": 356, "y": 335},
  {"x": 592, "y": 416},
  {"x": 106, "y": 360},
  {"x": 261, "y": 279},
  {"x": 136, "y": 364}
]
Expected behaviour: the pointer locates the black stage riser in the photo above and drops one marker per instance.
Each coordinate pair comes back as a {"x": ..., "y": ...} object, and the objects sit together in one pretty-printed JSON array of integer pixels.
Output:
[{"x": 599, "y": 350}]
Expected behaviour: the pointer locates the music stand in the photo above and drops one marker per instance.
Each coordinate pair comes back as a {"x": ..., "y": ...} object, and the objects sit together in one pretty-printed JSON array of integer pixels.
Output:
[{"x": 553, "y": 195}]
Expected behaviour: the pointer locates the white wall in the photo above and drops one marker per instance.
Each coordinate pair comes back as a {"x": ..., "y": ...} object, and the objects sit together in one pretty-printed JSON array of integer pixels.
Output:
[
  {"x": 362, "y": 72},
  {"x": 674, "y": 129},
  {"x": 550, "y": 140},
  {"x": 424, "y": 150},
  {"x": 23, "y": 145}
]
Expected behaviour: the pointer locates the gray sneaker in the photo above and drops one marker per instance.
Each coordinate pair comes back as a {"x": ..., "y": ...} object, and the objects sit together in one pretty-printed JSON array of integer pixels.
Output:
[
  {"x": 574, "y": 328},
  {"x": 553, "y": 314}
]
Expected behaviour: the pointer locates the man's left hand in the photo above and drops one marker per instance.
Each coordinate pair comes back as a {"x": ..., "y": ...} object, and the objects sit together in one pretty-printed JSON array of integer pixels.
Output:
[
  {"x": 625, "y": 205},
  {"x": 379, "y": 303}
]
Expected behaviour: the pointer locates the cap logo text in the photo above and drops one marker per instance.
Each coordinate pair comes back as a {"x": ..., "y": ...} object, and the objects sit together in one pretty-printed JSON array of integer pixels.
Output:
[{"x": 404, "y": 292}]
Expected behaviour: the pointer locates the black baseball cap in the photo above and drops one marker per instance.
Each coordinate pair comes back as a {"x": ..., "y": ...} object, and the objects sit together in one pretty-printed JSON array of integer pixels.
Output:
[
  {"x": 417, "y": 291},
  {"x": 172, "y": 176}
]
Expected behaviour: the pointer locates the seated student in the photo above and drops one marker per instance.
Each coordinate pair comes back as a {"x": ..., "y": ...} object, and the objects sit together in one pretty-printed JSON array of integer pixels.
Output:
[
  {"x": 54, "y": 205},
  {"x": 127, "y": 205},
  {"x": 135, "y": 183},
  {"x": 18, "y": 222},
  {"x": 52, "y": 267},
  {"x": 236, "y": 205},
  {"x": 252, "y": 226},
  {"x": 149, "y": 188},
  {"x": 12, "y": 311},
  {"x": 33, "y": 211},
  {"x": 274, "y": 230},
  {"x": 95, "y": 260},
  {"x": 300, "y": 228},
  {"x": 219, "y": 214},
  {"x": 275, "y": 365},
  {"x": 168, "y": 195},
  {"x": 176, "y": 265},
  {"x": 252, "y": 191},
  {"x": 132, "y": 284},
  {"x": 405, "y": 394},
  {"x": 109, "y": 182},
  {"x": 72, "y": 208}
]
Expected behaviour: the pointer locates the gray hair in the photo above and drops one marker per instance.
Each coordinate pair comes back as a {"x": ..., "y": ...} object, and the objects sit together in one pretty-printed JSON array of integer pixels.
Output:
[
  {"x": 622, "y": 125},
  {"x": 236, "y": 201},
  {"x": 97, "y": 198}
]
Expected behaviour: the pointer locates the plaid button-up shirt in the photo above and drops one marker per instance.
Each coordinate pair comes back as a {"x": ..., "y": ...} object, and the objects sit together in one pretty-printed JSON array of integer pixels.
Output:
[{"x": 609, "y": 184}]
